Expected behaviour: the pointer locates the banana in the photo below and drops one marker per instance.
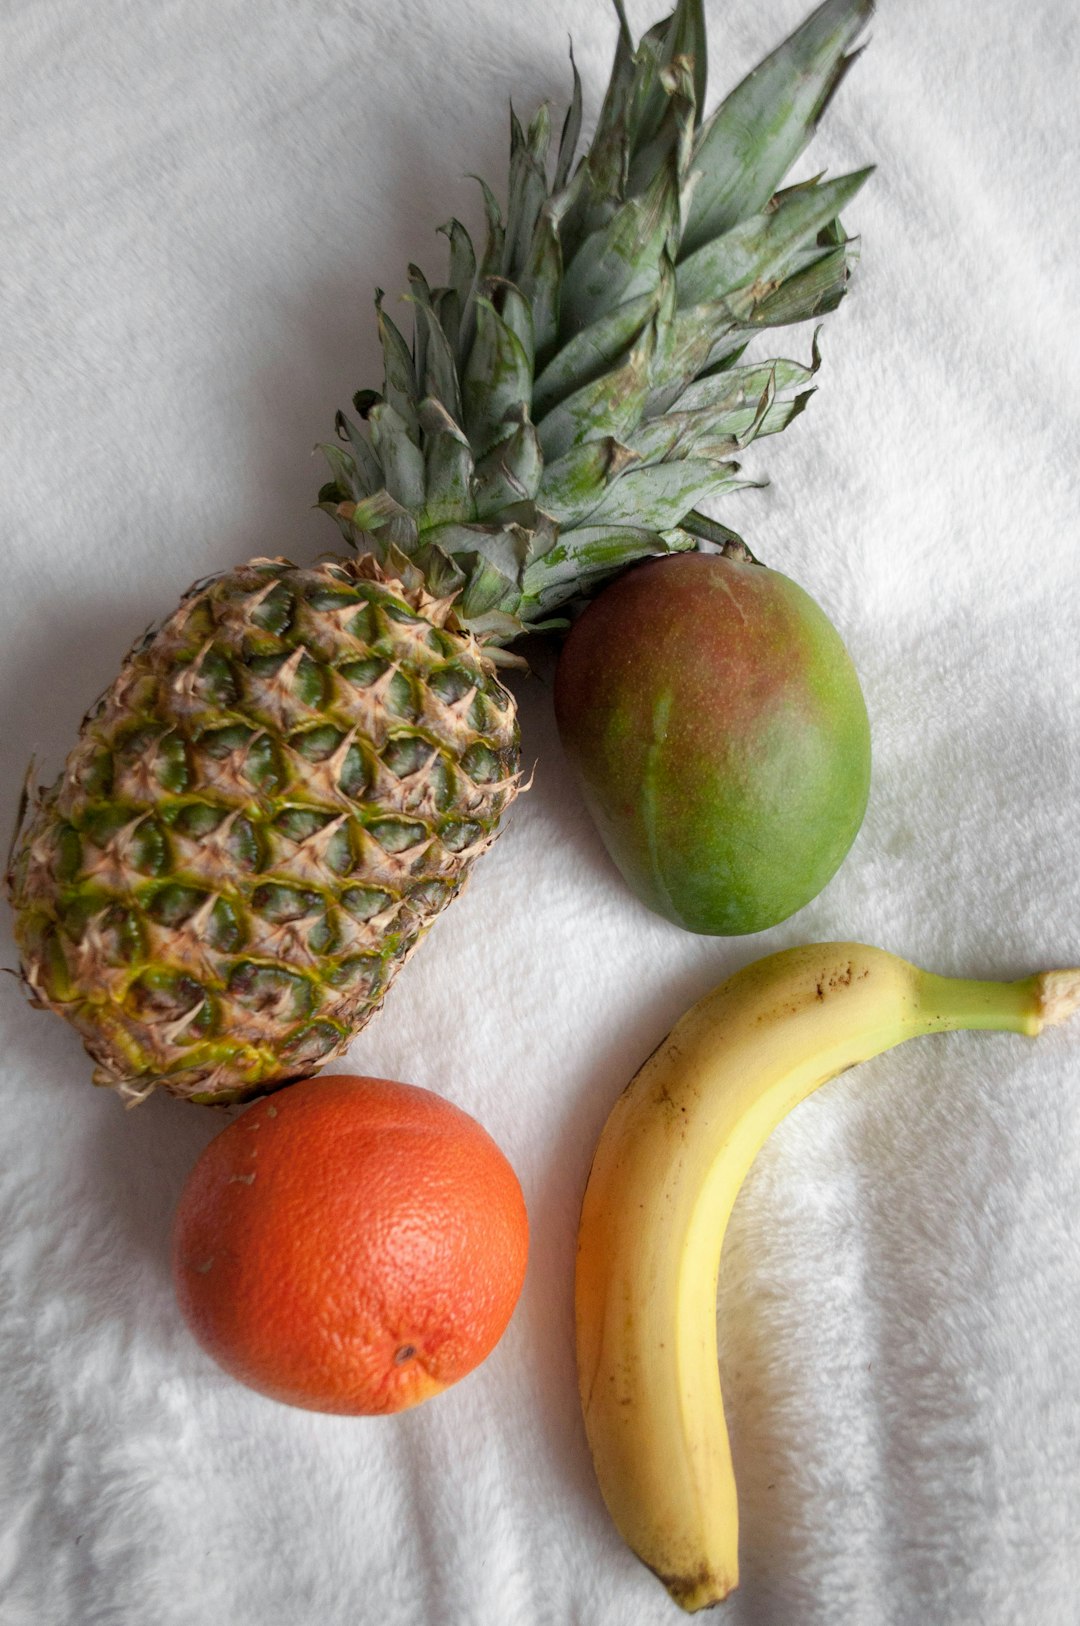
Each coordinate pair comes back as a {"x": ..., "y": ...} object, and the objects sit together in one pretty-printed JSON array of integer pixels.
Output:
[{"x": 667, "y": 1169}]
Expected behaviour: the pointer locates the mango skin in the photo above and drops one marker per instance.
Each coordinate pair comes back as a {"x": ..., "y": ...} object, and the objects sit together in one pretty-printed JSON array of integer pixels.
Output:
[{"x": 717, "y": 727}]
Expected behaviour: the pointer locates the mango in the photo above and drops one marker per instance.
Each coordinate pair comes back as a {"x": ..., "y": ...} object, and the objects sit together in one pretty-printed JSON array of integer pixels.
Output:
[{"x": 717, "y": 727}]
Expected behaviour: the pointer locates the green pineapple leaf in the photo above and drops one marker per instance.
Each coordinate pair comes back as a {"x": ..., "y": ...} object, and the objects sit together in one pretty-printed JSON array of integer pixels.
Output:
[{"x": 759, "y": 130}]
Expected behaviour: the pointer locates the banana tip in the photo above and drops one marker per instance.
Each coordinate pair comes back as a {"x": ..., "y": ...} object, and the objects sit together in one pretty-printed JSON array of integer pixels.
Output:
[
  {"x": 1059, "y": 995},
  {"x": 699, "y": 1590}
]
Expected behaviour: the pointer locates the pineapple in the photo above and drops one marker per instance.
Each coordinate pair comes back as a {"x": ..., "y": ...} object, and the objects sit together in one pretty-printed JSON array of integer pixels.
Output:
[{"x": 293, "y": 774}]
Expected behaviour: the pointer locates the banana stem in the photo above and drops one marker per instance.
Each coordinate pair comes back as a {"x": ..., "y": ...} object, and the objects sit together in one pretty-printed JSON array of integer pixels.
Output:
[{"x": 945, "y": 1004}]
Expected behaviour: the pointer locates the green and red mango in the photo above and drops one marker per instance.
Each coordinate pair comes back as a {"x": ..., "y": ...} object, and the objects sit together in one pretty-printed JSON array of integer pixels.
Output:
[{"x": 720, "y": 736}]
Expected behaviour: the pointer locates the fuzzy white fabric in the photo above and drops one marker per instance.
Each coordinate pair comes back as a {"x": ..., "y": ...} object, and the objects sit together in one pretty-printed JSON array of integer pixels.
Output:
[{"x": 197, "y": 201}]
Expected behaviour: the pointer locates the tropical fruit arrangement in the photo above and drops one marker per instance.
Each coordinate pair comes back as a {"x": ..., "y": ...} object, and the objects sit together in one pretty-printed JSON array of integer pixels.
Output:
[{"x": 294, "y": 772}]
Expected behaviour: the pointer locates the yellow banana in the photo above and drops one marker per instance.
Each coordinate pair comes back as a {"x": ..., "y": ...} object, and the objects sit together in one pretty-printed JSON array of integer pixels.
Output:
[{"x": 665, "y": 1175}]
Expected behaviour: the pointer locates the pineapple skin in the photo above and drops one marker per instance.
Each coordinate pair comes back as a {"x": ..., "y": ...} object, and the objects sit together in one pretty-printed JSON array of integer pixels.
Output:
[{"x": 287, "y": 781}]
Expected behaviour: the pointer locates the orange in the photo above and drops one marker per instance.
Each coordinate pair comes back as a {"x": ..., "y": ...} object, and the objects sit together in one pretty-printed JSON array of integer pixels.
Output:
[{"x": 350, "y": 1245}]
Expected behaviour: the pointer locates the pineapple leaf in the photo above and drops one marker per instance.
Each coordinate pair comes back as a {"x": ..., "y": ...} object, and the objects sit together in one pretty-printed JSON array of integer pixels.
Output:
[
  {"x": 671, "y": 142},
  {"x": 621, "y": 255},
  {"x": 493, "y": 252},
  {"x": 380, "y": 523},
  {"x": 538, "y": 139},
  {"x": 528, "y": 193},
  {"x": 399, "y": 388},
  {"x": 620, "y": 262},
  {"x": 609, "y": 405},
  {"x": 573, "y": 397},
  {"x": 583, "y": 558},
  {"x": 761, "y": 249},
  {"x": 400, "y": 456},
  {"x": 510, "y": 473},
  {"x": 437, "y": 375},
  {"x": 462, "y": 258},
  {"x": 737, "y": 385},
  {"x": 813, "y": 292},
  {"x": 453, "y": 305},
  {"x": 540, "y": 280},
  {"x": 574, "y": 484},
  {"x": 346, "y": 485},
  {"x": 711, "y": 530},
  {"x": 758, "y": 131},
  {"x": 448, "y": 468},
  {"x": 367, "y": 476},
  {"x": 682, "y": 34},
  {"x": 571, "y": 131},
  {"x": 493, "y": 559},
  {"x": 659, "y": 495},
  {"x": 593, "y": 351},
  {"x": 513, "y": 307},
  {"x": 497, "y": 386}
]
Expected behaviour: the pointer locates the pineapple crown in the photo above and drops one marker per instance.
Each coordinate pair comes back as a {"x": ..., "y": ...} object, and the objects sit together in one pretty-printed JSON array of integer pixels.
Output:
[{"x": 570, "y": 399}]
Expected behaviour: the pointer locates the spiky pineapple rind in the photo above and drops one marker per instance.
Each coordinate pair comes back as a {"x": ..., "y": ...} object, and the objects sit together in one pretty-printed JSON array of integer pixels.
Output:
[{"x": 285, "y": 784}]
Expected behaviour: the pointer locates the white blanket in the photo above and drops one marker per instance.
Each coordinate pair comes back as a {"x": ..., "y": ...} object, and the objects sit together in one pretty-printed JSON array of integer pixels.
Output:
[{"x": 197, "y": 200}]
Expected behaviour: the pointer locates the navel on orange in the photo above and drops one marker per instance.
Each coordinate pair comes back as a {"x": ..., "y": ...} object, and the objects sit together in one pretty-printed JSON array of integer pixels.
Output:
[{"x": 350, "y": 1245}]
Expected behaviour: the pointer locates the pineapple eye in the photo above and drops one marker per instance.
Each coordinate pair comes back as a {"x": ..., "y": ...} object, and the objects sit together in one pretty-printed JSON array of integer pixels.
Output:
[
  {"x": 174, "y": 904},
  {"x": 117, "y": 938},
  {"x": 429, "y": 897},
  {"x": 353, "y": 779},
  {"x": 198, "y": 820},
  {"x": 364, "y": 626},
  {"x": 298, "y": 823},
  {"x": 363, "y": 902},
  {"x": 457, "y": 837},
  {"x": 407, "y": 755},
  {"x": 171, "y": 765},
  {"x": 399, "y": 697},
  {"x": 481, "y": 764},
  {"x": 216, "y": 683},
  {"x": 312, "y": 1043},
  {"x": 220, "y": 743},
  {"x": 68, "y": 853},
  {"x": 164, "y": 755},
  {"x": 480, "y": 713},
  {"x": 451, "y": 684},
  {"x": 401, "y": 614},
  {"x": 339, "y": 854},
  {"x": 149, "y": 850},
  {"x": 321, "y": 937},
  {"x": 397, "y": 835},
  {"x": 101, "y": 824},
  {"x": 441, "y": 783},
  {"x": 263, "y": 769},
  {"x": 164, "y": 996},
  {"x": 316, "y": 744},
  {"x": 270, "y": 991},
  {"x": 361, "y": 977},
  {"x": 96, "y": 774},
  {"x": 330, "y": 598},
  {"x": 243, "y": 844},
  {"x": 275, "y": 612},
  {"x": 443, "y": 642},
  {"x": 279, "y": 904},
  {"x": 362, "y": 674},
  {"x": 225, "y": 933},
  {"x": 306, "y": 683}
]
